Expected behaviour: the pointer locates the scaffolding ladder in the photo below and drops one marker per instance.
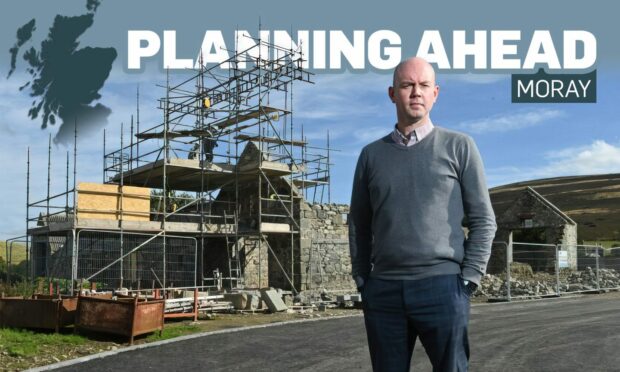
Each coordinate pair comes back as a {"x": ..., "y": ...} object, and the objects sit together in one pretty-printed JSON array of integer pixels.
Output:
[{"x": 232, "y": 248}]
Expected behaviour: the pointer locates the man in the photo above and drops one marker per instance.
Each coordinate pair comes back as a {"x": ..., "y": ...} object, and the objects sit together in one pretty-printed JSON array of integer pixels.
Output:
[
  {"x": 410, "y": 258},
  {"x": 209, "y": 143}
]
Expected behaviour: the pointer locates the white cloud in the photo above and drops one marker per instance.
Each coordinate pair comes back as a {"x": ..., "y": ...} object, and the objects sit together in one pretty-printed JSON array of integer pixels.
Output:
[
  {"x": 599, "y": 157},
  {"x": 510, "y": 121}
]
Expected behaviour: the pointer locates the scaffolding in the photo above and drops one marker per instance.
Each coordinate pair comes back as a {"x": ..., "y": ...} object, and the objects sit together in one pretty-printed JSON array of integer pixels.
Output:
[{"x": 227, "y": 168}]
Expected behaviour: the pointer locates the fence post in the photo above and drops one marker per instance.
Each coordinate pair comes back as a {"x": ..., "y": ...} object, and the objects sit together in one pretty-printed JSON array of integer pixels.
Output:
[
  {"x": 557, "y": 270},
  {"x": 598, "y": 284},
  {"x": 164, "y": 257},
  {"x": 74, "y": 259},
  {"x": 8, "y": 260},
  {"x": 508, "y": 250}
]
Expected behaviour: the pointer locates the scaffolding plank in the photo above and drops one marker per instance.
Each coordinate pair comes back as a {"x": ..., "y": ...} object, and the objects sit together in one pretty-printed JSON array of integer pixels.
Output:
[
  {"x": 142, "y": 226},
  {"x": 182, "y": 174},
  {"x": 175, "y": 134},
  {"x": 276, "y": 140},
  {"x": 310, "y": 182},
  {"x": 270, "y": 168},
  {"x": 232, "y": 120}
]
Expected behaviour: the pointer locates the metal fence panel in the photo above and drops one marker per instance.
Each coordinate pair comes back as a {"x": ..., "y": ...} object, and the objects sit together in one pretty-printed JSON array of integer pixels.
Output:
[
  {"x": 137, "y": 260},
  {"x": 51, "y": 256},
  {"x": 533, "y": 270},
  {"x": 538, "y": 270},
  {"x": 16, "y": 260}
]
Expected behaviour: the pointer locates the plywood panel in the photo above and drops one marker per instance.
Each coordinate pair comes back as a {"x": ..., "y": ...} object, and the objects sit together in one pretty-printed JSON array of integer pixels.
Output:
[{"x": 99, "y": 201}]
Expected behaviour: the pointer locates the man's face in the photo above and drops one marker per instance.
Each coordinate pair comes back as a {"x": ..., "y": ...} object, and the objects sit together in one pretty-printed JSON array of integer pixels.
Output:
[{"x": 414, "y": 91}]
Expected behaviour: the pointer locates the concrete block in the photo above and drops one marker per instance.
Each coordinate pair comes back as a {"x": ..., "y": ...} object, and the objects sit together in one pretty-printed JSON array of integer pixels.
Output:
[
  {"x": 343, "y": 298},
  {"x": 261, "y": 304},
  {"x": 273, "y": 300},
  {"x": 349, "y": 297},
  {"x": 253, "y": 302},
  {"x": 238, "y": 300}
]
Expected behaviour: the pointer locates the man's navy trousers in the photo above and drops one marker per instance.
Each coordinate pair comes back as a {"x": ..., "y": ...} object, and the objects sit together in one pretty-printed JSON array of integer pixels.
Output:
[{"x": 435, "y": 309}]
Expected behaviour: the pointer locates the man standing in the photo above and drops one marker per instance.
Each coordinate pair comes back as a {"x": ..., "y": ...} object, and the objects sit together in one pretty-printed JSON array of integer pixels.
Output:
[{"x": 410, "y": 257}]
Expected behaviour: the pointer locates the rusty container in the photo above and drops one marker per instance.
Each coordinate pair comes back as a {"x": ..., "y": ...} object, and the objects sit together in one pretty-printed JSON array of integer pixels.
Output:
[
  {"x": 41, "y": 311},
  {"x": 125, "y": 317}
]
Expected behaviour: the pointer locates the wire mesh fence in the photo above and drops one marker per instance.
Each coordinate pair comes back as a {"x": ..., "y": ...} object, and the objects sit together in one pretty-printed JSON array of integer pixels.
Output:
[
  {"x": 14, "y": 260},
  {"x": 531, "y": 270},
  {"x": 51, "y": 256},
  {"x": 114, "y": 260},
  {"x": 136, "y": 261}
]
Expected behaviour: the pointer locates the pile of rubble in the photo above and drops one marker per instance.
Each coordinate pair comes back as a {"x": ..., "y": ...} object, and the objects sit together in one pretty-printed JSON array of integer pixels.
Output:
[
  {"x": 543, "y": 284},
  {"x": 267, "y": 299},
  {"x": 586, "y": 280}
]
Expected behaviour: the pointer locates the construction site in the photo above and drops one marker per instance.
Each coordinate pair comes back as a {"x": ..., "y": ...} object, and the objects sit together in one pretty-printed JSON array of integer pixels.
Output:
[{"x": 224, "y": 196}]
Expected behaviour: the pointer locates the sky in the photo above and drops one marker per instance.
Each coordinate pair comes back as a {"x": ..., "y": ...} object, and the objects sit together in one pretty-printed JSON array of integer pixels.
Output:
[{"x": 517, "y": 141}]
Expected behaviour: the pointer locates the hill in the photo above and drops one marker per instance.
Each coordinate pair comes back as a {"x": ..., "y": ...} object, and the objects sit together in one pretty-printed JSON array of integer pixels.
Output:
[
  {"x": 19, "y": 252},
  {"x": 592, "y": 201}
]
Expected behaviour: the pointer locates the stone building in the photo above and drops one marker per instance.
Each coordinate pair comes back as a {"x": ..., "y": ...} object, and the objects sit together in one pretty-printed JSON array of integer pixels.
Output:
[{"x": 532, "y": 219}]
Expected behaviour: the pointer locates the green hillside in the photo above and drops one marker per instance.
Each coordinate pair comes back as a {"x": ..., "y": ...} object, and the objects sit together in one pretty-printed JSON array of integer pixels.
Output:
[
  {"x": 19, "y": 252},
  {"x": 591, "y": 201}
]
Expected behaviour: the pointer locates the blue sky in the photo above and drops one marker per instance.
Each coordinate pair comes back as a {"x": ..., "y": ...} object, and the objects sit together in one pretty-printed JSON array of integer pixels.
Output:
[{"x": 517, "y": 141}]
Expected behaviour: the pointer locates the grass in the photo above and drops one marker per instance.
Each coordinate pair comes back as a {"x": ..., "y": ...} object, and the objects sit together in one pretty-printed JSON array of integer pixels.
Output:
[
  {"x": 23, "y": 343},
  {"x": 22, "y": 288},
  {"x": 180, "y": 330},
  {"x": 603, "y": 243},
  {"x": 18, "y": 255}
]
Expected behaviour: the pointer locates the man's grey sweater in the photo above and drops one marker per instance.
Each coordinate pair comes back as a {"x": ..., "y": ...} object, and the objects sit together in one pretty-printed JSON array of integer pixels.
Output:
[{"x": 408, "y": 205}]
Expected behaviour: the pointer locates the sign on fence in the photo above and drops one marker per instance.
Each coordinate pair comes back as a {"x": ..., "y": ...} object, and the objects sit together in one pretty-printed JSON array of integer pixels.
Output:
[{"x": 563, "y": 259}]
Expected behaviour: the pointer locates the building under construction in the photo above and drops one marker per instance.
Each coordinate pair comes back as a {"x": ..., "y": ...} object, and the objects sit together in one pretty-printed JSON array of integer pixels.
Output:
[{"x": 225, "y": 192}]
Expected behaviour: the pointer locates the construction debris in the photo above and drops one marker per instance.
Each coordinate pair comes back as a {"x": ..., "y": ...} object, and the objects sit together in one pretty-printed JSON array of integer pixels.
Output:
[
  {"x": 273, "y": 300},
  {"x": 205, "y": 303},
  {"x": 245, "y": 300}
]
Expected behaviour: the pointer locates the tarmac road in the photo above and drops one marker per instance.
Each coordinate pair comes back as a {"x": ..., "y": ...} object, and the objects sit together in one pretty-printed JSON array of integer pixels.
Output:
[{"x": 563, "y": 334}]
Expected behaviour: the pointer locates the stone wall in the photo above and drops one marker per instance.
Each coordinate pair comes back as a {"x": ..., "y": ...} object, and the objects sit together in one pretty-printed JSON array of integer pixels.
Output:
[
  {"x": 569, "y": 243},
  {"x": 254, "y": 256},
  {"x": 315, "y": 259},
  {"x": 325, "y": 263},
  {"x": 280, "y": 269}
]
